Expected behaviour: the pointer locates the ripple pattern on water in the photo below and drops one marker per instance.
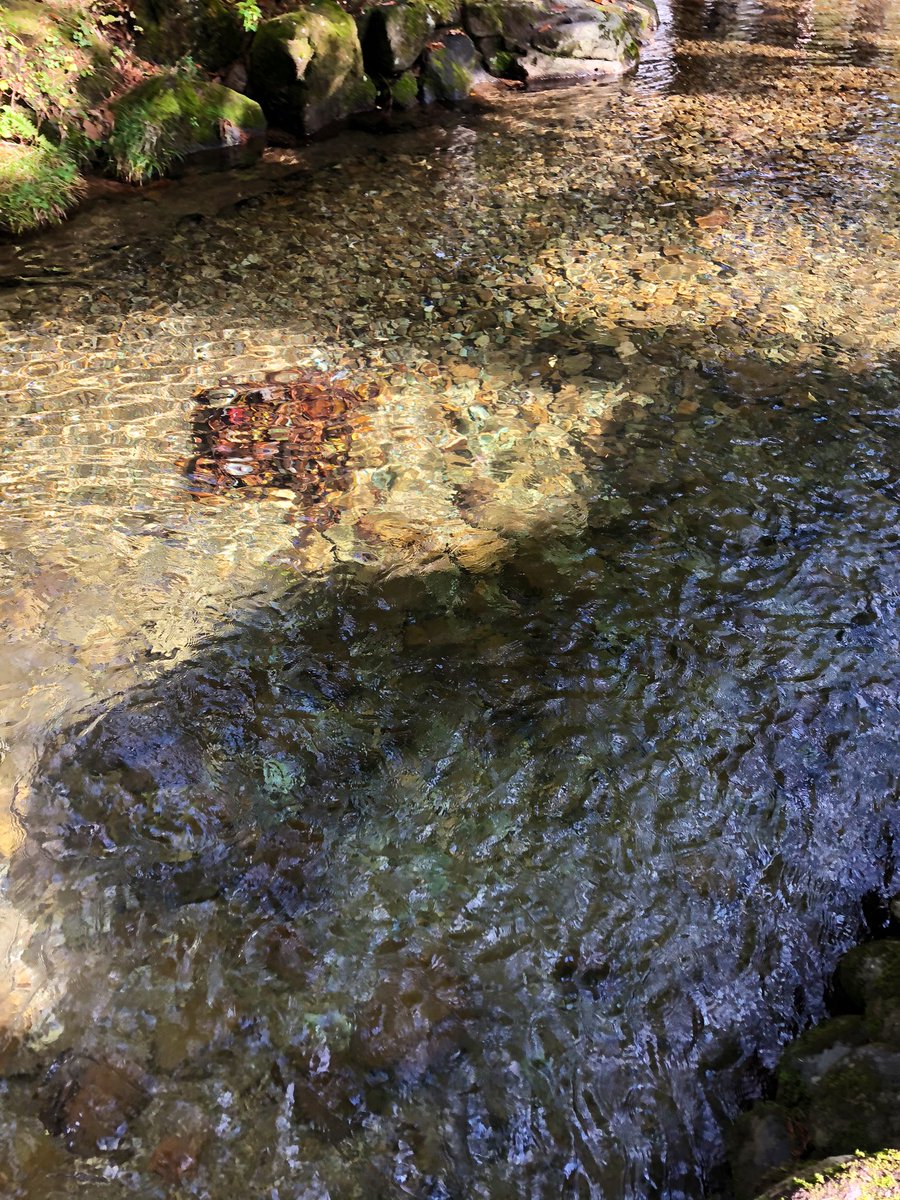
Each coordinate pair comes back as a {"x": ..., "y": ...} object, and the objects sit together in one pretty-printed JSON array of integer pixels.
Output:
[{"x": 490, "y": 841}]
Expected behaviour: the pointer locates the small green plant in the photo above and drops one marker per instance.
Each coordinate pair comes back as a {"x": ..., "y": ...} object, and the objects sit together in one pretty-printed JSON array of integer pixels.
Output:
[
  {"x": 16, "y": 126},
  {"x": 39, "y": 180},
  {"x": 504, "y": 64},
  {"x": 249, "y": 12}
]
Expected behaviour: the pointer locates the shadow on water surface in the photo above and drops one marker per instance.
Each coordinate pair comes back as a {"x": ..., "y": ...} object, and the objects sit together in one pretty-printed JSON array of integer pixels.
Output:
[
  {"x": 454, "y": 886},
  {"x": 428, "y": 883}
]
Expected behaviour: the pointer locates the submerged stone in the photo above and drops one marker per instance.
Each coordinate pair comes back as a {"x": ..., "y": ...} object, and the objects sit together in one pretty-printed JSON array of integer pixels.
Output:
[
  {"x": 414, "y": 1018},
  {"x": 274, "y": 438},
  {"x": 306, "y": 68},
  {"x": 176, "y": 1157},
  {"x": 89, "y": 1103}
]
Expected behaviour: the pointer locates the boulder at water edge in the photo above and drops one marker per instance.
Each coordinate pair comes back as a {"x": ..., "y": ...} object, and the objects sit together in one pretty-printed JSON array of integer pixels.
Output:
[
  {"x": 306, "y": 68},
  {"x": 573, "y": 39},
  {"x": 170, "y": 118},
  {"x": 395, "y": 36},
  {"x": 449, "y": 67}
]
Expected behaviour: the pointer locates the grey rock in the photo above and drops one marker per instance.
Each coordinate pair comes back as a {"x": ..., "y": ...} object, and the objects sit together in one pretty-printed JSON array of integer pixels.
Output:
[
  {"x": 582, "y": 34},
  {"x": 449, "y": 67},
  {"x": 514, "y": 24},
  {"x": 538, "y": 67}
]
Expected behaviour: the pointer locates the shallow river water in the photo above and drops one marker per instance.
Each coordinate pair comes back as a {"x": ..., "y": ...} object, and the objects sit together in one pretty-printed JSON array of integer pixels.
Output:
[{"x": 485, "y": 827}]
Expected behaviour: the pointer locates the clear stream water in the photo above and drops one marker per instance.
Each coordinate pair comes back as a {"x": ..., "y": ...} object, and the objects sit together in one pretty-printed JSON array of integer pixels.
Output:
[{"x": 488, "y": 838}]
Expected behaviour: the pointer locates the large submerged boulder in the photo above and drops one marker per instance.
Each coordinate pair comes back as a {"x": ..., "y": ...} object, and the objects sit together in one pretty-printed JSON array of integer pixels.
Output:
[{"x": 306, "y": 68}]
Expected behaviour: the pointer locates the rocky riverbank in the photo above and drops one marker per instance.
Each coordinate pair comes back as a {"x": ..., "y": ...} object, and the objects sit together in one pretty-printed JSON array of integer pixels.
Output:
[
  {"x": 833, "y": 1122},
  {"x": 135, "y": 92}
]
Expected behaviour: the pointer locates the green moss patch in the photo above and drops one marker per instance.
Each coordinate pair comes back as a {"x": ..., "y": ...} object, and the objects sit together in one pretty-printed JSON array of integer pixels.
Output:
[
  {"x": 860, "y": 1177},
  {"x": 870, "y": 971},
  {"x": 405, "y": 90},
  {"x": 39, "y": 183},
  {"x": 163, "y": 119},
  {"x": 813, "y": 1053}
]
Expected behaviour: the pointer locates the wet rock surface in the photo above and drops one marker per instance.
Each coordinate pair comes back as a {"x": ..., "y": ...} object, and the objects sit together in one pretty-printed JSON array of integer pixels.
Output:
[
  {"x": 599, "y": 660},
  {"x": 838, "y": 1084},
  {"x": 89, "y": 1103},
  {"x": 307, "y": 68}
]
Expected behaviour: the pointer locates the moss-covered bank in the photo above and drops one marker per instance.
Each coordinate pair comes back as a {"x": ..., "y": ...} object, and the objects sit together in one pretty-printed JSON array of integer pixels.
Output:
[{"x": 132, "y": 88}]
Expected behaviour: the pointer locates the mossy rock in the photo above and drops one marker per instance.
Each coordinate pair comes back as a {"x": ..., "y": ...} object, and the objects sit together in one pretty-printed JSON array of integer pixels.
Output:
[
  {"x": 599, "y": 36},
  {"x": 760, "y": 1147},
  {"x": 842, "y": 1177},
  {"x": 306, "y": 68},
  {"x": 882, "y": 1020},
  {"x": 868, "y": 972},
  {"x": 640, "y": 16},
  {"x": 208, "y": 31},
  {"x": 854, "y": 1105},
  {"x": 503, "y": 63},
  {"x": 395, "y": 36},
  {"x": 449, "y": 68},
  {"x": 515, "y": 23},
  {"x": 172, "y": 117},
  {"x": 813, "y": 1053},
  {"x": 405, "y": 91}
]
